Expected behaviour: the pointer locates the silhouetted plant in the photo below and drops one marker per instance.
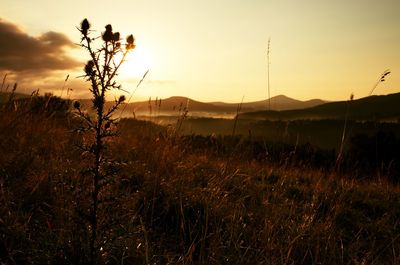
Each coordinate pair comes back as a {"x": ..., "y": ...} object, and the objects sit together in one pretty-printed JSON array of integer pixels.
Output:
[
  {"x": 381, "y": 79},
  {"x": 100, "y": 71},
  {"x": 342, "y": 141}
]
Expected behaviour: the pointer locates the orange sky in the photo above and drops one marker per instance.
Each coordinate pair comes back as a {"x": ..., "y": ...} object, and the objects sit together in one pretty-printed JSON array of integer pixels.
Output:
[{"x": 212, "y": 50}]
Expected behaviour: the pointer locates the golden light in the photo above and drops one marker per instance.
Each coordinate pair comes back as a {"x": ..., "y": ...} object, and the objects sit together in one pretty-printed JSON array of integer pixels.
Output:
[{"x": 137, "y": 62}]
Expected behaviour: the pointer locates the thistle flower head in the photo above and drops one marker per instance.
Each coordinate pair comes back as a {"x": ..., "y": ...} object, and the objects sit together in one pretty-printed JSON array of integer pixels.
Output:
[
  {"x": 116, "y": 36},
  {"x": 77, "y": 105},
  {"x": 85, "y": 25},
  {"x": 89, "y": 68},
  {"x": 121, "y": 99},
  {"x": 108, "y": 34},
  {"x": 107, "y": 125},
  {"x": 130, "y": 42}
]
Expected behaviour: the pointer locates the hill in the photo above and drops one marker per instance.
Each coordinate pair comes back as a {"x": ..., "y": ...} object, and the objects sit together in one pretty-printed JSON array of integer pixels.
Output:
[
  {"x": 174, "y": 199},
  {"x": 279, "y": 102},
  {"x": 173, "y": 104},
  {"x": 368, "y": 108}
]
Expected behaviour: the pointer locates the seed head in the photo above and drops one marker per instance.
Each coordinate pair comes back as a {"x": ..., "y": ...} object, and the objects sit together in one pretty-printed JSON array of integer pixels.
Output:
[
  {"x": 108, "y": 35},
  {"x": 383, "y": 76},
  {"x": 130, "y": 42},
  {"x": 107, "y": 125},
  {"x": 77, "y": 105},
  {"x": 89, "y": 68},
  {"x": 116, "y": 36},
  {"x": 121, "y": 99},
  {"x": 85, "y": 25}
]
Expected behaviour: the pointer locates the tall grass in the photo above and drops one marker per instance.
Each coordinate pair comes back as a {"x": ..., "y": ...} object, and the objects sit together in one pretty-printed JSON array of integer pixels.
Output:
[
  {"x": 344, "y": 135},
  {"x": 175, "y": 202}
]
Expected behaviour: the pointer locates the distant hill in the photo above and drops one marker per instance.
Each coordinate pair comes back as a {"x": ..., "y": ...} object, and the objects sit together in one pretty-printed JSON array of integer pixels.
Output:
[
  {"x": 173, "y": 104},
  {"x": 369, "y": 108},
  {"x": 279, "y": 102}
]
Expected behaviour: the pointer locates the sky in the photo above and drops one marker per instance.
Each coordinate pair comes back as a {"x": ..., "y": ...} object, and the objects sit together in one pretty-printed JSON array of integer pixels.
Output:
[{"x": 210, "y": 50}]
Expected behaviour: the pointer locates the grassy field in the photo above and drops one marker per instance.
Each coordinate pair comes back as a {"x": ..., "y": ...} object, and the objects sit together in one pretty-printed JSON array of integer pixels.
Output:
[
  {"x": 324, "y": 134},
  {"x": 178, "y": 199}
]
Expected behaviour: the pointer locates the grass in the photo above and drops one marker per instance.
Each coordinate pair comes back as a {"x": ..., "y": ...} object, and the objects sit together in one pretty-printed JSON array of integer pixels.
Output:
[{"x": 183, "y": 200}]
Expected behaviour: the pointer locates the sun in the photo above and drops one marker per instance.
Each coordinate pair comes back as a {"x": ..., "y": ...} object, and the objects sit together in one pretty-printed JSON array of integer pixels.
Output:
[{"x": 136, "y": 63}]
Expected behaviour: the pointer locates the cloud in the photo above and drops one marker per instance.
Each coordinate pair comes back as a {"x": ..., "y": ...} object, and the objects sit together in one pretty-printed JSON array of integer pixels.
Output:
[{"x": 22, "y": 53}]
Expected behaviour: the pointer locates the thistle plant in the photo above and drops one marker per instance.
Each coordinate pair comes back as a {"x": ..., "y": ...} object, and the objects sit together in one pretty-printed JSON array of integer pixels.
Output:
[{"x": 101, "y": 71}]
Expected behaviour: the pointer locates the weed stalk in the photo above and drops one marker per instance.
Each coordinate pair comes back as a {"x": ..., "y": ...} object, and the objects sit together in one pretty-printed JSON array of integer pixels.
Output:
[{"x": 100, "y": 71}]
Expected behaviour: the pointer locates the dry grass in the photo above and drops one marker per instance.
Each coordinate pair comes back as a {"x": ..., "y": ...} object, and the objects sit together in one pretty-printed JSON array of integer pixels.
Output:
[{"x": 171, "y": 203}]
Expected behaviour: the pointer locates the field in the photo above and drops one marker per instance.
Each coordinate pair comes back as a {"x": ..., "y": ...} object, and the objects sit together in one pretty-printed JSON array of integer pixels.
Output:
[
  {"x": 324, "y": 134},
  {"x": 187, "y": 198}
]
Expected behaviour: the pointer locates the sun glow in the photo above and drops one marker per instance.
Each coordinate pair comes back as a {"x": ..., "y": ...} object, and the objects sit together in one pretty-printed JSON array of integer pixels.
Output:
[{"x": 136, "y": 63}]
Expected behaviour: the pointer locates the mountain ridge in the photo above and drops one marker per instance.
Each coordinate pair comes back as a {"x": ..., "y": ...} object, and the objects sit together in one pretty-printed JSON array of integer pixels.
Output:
[
  {"x": 376, "y": 107},
  {"x": 173, "y": 103}
]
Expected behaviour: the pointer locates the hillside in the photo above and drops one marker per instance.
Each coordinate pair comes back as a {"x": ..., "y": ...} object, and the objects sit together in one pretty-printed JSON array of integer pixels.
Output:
[
  {"x": 175, "y": 199},
  {"x": 368, "y": 108},
  {"x": 279, "y": 102},
  {"x": 171, "y": 105}
]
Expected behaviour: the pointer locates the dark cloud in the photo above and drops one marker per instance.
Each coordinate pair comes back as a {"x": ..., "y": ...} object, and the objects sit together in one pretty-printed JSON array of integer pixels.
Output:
[{"x": 20, "y": 52}]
